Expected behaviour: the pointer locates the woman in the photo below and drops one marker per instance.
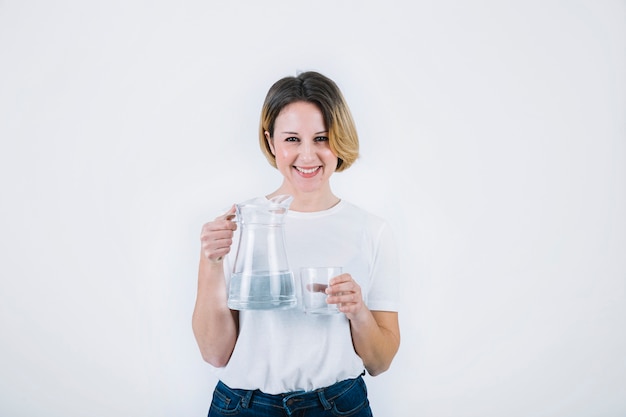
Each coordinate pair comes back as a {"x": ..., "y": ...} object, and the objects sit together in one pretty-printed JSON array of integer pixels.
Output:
[{"x": 284, "y": 362}]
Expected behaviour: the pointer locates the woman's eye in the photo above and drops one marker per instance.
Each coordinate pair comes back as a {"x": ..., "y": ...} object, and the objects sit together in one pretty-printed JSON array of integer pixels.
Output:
[
  {"x": 292, "y": 139},
  {"x": 321, "y": 139}
]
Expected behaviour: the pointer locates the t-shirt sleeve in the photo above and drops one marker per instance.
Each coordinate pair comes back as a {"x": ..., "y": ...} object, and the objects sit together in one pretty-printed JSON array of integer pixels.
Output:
[{"x": 385, "y": 272}]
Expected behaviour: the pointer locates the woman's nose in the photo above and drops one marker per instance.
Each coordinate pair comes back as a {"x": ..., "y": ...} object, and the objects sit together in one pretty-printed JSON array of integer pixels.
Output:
[{"x": 307, "y": 150}]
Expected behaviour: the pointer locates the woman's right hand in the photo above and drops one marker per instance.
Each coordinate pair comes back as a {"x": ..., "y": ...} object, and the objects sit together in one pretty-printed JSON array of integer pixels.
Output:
[{"x": 217, "y": 236}]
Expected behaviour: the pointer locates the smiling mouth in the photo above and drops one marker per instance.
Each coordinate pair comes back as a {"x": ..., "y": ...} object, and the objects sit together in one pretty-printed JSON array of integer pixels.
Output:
[{"x": 307, "y": 170}]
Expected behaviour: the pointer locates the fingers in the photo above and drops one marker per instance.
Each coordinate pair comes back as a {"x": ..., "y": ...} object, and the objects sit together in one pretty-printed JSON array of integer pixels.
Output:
[
  {"x": 229, "y": 215},
  {"x": 316, "y": 287},
  {"x": 343, "y": 283},
  {"x": 344, "y": 291},
  {"x": 216, "y": 237},
  {"x": 214, "y": 248},
  {"x": 340, "y": 279}
]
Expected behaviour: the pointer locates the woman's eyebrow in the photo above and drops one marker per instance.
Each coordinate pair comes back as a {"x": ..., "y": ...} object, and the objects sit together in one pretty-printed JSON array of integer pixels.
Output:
[{"x": 296, "y": 133}]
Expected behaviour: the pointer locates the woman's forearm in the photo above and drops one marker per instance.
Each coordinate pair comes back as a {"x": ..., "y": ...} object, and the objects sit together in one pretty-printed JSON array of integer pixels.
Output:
[
  {"x": 215, "y": 326},
  {"x": 376, "y": 339}
]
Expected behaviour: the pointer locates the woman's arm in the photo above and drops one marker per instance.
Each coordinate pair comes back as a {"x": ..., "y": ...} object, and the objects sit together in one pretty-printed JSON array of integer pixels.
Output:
[
  {"x": 375, "y": 334},
  {"x": 376, "y": 339},
  {"x": 214, "y": 325}
]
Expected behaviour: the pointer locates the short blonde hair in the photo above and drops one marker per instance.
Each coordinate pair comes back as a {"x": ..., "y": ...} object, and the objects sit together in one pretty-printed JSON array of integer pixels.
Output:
[{"x": 312, "y": 87}]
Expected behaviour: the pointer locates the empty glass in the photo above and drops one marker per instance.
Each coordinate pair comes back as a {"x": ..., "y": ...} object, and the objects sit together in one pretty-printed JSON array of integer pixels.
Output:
[{"x": 314, "y": 281}]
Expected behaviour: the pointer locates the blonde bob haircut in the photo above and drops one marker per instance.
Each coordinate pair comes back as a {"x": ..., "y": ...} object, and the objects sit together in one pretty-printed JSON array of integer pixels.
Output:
[{"x": 312, "y": 87}]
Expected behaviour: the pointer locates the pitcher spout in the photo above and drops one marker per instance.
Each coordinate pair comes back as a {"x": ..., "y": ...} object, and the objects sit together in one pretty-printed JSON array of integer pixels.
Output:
[{"x": 282, "y": 201}]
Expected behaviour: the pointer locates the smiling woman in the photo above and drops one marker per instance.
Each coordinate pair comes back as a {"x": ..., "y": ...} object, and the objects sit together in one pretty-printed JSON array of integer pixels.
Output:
[
  {"x": 280, "y": 360},
  {"x": 302, "y": 154},
  {"x": 491, "y": 140},
  {"x": 313, "y": 88}
]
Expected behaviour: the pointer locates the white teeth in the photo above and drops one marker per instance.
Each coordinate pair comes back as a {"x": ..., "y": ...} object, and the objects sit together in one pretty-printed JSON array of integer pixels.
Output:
[{"x": 307, "y": 171}]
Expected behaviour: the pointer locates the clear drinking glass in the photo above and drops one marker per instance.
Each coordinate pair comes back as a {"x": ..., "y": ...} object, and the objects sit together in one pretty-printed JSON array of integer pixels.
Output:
[{"x": 314, "y": 281}]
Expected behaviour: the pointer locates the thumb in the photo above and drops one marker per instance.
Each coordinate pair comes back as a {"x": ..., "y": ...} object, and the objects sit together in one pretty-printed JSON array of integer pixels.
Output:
[{"x": 230, "y": 214}]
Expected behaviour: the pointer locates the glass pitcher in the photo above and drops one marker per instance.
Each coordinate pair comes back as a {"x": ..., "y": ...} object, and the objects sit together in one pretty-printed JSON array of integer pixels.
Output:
[{"x": 261, "y": 277}]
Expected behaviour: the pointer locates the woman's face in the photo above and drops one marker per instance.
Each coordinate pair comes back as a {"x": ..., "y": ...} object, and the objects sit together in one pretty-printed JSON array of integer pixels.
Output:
[{"x": 300, "y": 145}]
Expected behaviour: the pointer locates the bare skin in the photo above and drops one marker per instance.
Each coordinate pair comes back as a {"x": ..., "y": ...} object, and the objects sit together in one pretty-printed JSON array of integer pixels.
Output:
[
  {"x": 215, "y": 326},
  {"x": 375, "y": 334}
]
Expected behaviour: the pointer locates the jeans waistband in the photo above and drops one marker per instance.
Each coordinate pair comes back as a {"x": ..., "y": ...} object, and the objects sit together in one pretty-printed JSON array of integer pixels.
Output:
[{"x": 296, "y": 400}]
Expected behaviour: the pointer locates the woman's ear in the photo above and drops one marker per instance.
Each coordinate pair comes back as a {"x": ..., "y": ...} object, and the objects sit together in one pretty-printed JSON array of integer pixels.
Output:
[{"x": 270, "y": 142}]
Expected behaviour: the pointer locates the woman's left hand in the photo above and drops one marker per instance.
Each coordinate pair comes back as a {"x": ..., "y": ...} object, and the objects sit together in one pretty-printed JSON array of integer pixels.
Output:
[
  {"x": 375, "y": 334},
  {"x": 346, "y": 293}
]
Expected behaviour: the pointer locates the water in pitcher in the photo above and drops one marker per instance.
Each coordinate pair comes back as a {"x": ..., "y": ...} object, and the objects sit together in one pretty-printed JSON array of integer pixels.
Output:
[{"x": 261, "y": 291}]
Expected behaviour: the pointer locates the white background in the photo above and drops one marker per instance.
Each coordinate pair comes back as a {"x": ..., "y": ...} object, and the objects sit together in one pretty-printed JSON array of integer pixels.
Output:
[{"x": 493, "y": 139}]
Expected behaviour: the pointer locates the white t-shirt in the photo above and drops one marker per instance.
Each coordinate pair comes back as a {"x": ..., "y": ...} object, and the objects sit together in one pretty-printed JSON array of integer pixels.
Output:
[{"x": 280, "y": 351}]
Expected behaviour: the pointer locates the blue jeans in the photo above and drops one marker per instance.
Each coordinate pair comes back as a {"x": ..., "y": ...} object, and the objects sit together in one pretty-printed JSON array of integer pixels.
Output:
[{"x": 345, "y": 398}]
